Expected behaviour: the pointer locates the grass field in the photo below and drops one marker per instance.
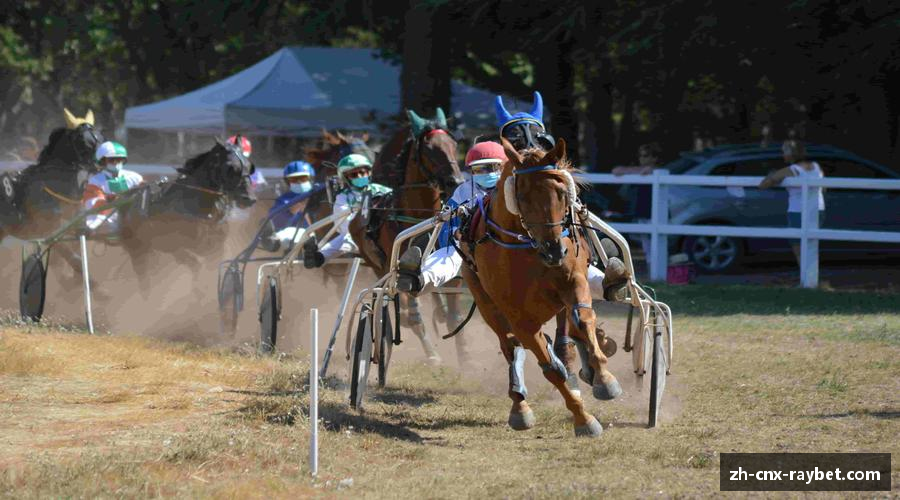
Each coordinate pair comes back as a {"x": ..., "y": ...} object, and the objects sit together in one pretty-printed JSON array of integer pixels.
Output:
[{"x": 757, "y": 369}]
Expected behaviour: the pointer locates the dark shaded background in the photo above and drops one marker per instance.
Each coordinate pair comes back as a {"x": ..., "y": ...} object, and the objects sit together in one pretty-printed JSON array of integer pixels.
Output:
[{"x": 614, "y": 74}]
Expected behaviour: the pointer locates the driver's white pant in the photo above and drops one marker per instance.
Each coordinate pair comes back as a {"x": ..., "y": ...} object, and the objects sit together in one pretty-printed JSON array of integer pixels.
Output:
[
  {"x": 340, "y": 244},
  {"x": 104, "y": 223},
  {"x": 441, "y": 266},
  {"x": 285, "y": 235},
  {"x": 444, "y": 264}
]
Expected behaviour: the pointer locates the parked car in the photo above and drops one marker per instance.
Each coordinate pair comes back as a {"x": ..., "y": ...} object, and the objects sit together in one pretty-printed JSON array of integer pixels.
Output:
[{"x": 845, "y": 208}]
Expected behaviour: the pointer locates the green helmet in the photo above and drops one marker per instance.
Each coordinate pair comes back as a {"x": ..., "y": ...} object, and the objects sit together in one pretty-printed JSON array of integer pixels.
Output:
[{"x": 351, "y": 162}]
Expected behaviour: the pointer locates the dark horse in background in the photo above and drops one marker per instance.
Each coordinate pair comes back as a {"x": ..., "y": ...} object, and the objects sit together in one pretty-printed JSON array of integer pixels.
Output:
[
  {"x": 186, "y": 217},
  {"x": 420, "y": 163},
  {"x": 36, "y": 200}
]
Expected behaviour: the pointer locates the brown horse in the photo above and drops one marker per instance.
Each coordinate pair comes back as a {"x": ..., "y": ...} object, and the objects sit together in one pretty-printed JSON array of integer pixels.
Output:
[
  {"x": 425, "y": 172},
  {"x": 520, "y": 286}
]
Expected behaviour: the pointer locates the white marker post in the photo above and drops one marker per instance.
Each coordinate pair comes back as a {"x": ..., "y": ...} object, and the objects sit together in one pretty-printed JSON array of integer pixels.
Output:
[
  {"x": 314, "y": 393},
  {"x": 87, "y": 284}
]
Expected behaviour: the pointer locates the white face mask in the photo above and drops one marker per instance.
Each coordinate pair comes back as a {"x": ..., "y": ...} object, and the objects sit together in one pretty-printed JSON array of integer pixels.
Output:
[
  {"x": 114, "y": 168},
  {"x": 301, "y": 187}
]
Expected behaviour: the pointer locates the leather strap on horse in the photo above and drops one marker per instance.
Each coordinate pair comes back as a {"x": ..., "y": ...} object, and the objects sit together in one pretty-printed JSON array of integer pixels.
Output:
[
  {"x": 460, "y": 326},
  {"x": 202, "y": 189},
  {"x": 60, "y": 197}
]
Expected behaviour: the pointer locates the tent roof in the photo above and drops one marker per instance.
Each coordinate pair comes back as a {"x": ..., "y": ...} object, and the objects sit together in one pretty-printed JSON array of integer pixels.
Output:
[{"x": 297, "y": 91}]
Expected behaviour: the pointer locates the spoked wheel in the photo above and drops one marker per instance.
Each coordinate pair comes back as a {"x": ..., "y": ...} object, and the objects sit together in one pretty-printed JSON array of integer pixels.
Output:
[
  {"x": 269, "y": 313},
  {"x": 231, "y": 300},
  {"x": 362, "y": 356},
  {"x": 32, "y": 288},
  {"x": 386, "y": 345},
  {"x": 658, "y": 370}
]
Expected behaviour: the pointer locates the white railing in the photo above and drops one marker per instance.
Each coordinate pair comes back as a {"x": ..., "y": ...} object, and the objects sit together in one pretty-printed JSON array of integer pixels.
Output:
[
  {"x": 809, "y": 232},
  {"x": 659, "y": 228}
]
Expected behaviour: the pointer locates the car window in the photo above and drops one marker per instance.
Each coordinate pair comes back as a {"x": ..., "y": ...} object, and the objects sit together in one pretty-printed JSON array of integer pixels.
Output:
[
  {"x": 747, "y": 168},
  {"x": 840, "y": 167}
]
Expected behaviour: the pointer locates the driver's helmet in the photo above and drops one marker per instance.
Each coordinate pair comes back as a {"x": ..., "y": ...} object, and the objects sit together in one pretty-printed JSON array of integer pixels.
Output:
[
  {"x": 110, "y": 149},
  {"x": 243, "y": 143},
  {"x": 299, "y": 168},
  {"x": 352, "y": 162}
]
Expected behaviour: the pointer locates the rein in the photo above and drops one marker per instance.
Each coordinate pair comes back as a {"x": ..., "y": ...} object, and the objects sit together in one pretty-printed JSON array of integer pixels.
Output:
[{"x": 61, "y": 197}]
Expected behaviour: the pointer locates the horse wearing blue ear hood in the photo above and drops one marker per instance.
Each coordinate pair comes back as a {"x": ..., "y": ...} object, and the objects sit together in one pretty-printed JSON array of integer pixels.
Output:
[
  {"x": 504, "y": 118},
  {"x": 524, "y": 130}
]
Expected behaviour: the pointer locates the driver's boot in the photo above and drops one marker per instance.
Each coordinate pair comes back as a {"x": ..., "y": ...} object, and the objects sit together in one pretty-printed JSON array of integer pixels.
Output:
[
  {"x": 312, "y": 257},
  {"x": 615, "y": 280},
  {"x": 410, "y": 278}
]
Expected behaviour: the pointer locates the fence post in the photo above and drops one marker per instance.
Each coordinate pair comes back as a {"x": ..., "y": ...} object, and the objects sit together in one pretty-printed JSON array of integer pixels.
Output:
[
  {"x": 314, "y": 393},
  {"x": 658, "y": 260},
  {"x": 809, "y": 247}
]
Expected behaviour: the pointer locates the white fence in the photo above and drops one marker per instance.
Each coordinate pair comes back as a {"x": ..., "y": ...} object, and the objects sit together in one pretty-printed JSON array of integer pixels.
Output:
[
  {"x": 659, "y": 228},
  {"x": 809, "y": 232}
]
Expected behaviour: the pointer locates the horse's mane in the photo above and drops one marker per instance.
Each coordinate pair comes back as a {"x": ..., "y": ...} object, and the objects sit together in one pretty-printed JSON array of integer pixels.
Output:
[
  {"x": 193, "y": 164},
  {"x": 55, "y": 137}
]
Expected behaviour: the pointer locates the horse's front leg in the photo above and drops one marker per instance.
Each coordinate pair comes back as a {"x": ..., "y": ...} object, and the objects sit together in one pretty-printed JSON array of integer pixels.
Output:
[
  {"x": 521, "y": 417},
  {"x": 555, "y": 371},
  {"x": 564, "y": 348},
  {"x": 595, "y": 369}
]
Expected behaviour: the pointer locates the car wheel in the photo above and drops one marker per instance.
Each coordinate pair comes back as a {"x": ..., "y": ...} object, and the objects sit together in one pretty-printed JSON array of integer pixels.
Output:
[{"x": 713, "y": 254}]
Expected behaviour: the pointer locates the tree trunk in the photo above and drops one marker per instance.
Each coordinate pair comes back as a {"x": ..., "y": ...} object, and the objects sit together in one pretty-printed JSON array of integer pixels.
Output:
[
  {"x": 425, "y": 77},
  {"x": 554, "y": 77},
  {"x": 599, "y": 114}
]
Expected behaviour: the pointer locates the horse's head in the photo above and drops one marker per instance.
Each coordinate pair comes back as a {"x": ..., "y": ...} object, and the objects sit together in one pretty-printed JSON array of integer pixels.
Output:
[
  {"x": 225, "y": 169},
  {"x": 74, "y": 145},
  {"x": 524, "y": 130},
  {"x": 538, "y": 188},
  {"x": 335, "y": 146},
  {"x": 436, "y": 151}
]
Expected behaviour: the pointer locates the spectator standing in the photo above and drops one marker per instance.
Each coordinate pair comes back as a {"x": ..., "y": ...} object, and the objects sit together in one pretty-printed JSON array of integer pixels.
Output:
[
  {"x": 641, "y": 201},
  {"x": 794, "y": 153}
]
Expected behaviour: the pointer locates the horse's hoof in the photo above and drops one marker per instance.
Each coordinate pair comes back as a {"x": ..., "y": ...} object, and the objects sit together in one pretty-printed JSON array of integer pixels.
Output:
[
  {"x": 521, "y": 421},
  {"x": 609, "y": 347},
  {"x": 591, "y": 429},
  {"x": 433, "y": 360},
  {"x": 607, "y": 391}
]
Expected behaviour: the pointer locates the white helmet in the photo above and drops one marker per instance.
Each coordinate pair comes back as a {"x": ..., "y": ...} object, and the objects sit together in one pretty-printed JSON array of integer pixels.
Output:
[{"x": 110, "y": 149}]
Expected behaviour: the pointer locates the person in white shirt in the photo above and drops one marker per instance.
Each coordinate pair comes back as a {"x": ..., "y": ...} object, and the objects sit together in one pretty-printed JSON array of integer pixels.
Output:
[
  {"x": 794, "y": 153},
  {"x": 354, "y": 171},
  {"x": 106, "y": 185}
]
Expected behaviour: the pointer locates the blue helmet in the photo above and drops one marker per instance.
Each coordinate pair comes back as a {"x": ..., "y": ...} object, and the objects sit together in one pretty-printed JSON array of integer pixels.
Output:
[{"x": 299, "y": 168}]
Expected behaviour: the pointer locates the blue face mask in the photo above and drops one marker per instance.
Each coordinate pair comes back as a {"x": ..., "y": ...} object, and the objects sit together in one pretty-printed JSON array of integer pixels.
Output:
[
  {"x": 360, "y": 182},
  {"x": 487, "y": 181},
  {"x": 301, "y": 187}
]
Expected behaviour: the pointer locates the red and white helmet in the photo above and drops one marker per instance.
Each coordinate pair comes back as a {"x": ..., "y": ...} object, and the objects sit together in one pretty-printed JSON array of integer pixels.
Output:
[
  {"x": 485, "y": 152},
  {"x": 246, "y": 148}
]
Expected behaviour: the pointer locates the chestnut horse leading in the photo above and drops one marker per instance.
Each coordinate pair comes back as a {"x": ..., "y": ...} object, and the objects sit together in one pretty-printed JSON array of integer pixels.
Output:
[{"x": 530, "y": 264}]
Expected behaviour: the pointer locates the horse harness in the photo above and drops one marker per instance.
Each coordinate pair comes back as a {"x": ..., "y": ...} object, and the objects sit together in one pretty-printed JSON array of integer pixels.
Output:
[{"x": 524, "y": 241}]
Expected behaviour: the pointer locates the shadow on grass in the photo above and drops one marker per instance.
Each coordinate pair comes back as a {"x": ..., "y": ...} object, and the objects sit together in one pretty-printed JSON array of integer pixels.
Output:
[
  {"x": 882, "y": 415},
  {"x": 338, "y": 417},
  {"x": 722, "y": 300},
  {"x": 394, "y": 396}
]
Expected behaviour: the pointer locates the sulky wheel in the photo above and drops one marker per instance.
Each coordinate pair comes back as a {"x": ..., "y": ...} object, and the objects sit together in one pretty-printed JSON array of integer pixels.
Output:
[
  {"x": 269, "y": 314},
  {"x": 658, "y": 369},
  {"x": 362, "y": 356},
  {"x": 386, "y": 345},
  {"x": 231, "y": 299},
  {"x": 32, "y": 288}
]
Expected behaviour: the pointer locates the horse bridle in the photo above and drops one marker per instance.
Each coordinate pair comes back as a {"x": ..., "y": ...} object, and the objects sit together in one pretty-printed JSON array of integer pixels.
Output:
[
  {"x": 566, "y": 221},
  {"x": 431, "y": 179}
]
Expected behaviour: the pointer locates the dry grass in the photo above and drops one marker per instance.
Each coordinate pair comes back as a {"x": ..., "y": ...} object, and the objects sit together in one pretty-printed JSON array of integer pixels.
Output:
[{"x": 134, "y": 417}]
